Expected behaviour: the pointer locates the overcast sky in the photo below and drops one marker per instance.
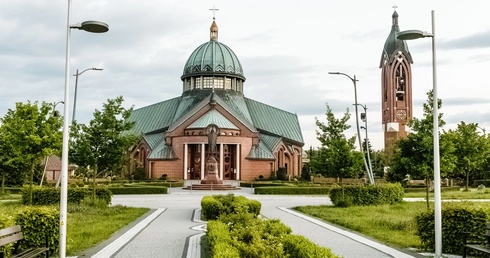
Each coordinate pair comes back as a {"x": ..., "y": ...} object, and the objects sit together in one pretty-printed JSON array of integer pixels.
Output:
[{"x": 286, "y": 49}]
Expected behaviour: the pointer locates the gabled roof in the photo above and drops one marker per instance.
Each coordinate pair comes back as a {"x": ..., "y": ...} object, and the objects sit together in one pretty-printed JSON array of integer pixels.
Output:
[
  {"x": 274, "y": 124},
  {"x": 212, "y": 117},
  {"x": 162, "y": 151},
  {"x": 212, "y": 97},
  {"x": 260, "y": 152},
  {"x": 275, "y": 121},
  {"x": 154, "y": 117}
]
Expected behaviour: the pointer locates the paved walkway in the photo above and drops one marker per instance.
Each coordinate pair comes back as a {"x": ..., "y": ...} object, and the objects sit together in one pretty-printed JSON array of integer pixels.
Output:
[{"x": 173, "y": 228}]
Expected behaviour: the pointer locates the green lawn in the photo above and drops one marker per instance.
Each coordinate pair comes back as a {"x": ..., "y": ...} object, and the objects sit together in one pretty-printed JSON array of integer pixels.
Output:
[
  {"x": 391, "y": 224},
  {"x": 87, "y": 226}
]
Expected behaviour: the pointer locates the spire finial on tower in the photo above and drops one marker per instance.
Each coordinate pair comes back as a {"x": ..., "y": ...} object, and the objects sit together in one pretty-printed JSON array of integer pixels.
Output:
[
  {"x": 214, "y": 27},
  {"x": 214, "y": 11}
]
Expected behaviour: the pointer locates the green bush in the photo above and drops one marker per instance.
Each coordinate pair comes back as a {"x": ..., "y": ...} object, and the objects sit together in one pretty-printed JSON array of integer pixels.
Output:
[
  {"x": 300, "y": 247},
  {"x": 139, "y": 190},
  {"x": 367, "y": 195},
  {"x": 50, "y": 196},
  {"x": 282, "y": 174},
  {"x": 220, "y": 240},
  {"x": 215, "y": 206},
  {"x": 36, "y": 224},
  {"x": 211, "y": 208},
  {"x": 257, "y": 184},
  {"x": 485, "y": 182},
  {"x": 456, "y": 219},
  {"x": 293, "y": 190}
]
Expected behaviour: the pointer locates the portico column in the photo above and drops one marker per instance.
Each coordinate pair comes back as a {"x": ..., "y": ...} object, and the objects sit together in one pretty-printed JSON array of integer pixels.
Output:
[
  {"x": 203, "y": 154},
  {"x": 238, "y": 154},
  {"x": 185, "y": 160},
  {"x": 221, "y": 156}
]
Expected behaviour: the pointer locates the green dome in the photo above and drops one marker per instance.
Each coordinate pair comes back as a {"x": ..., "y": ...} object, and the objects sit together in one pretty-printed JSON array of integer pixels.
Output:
[{"x": 213, "y": 58}]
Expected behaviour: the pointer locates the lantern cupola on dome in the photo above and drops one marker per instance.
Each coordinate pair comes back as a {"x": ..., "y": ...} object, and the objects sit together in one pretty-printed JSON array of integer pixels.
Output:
[{"x": 213, "y": 65}]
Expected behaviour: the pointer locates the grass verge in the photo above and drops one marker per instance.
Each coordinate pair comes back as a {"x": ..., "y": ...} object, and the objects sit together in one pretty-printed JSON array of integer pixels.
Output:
[
  {"x": 391, "y": 224},
  {"x": 86, "y": 226}
]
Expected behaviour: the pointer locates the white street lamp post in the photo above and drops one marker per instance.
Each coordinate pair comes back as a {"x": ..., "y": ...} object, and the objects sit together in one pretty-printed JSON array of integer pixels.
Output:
[
  {"x": 76, "y": 87},
  {"x": 367, "y": 138},
  {"x": 90, "y": 26},
  {"x": 354, "y": 80},
  {"x": 415, "y": 34}
]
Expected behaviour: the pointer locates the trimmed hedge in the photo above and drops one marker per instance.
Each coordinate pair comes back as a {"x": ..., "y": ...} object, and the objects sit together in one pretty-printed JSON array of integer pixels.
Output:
[
  {"x": 422, "y": 189},
  {"x": 300, "y": 246},
  {"x": 50, "y": 196},
  {"x": 292, "y": 190},
  {"x": 360, "y": 195},
  {"x": 36, "y": 223},
  {"x": 215, "y": 206},
  {"x": 456, "y": 219},
  {"x": 139, "y": 190},
  {"x": 261, "y": 184},
  {"x": 243, "y": 234}
]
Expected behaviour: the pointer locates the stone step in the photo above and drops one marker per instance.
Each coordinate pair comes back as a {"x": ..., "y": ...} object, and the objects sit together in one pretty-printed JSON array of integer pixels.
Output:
[{"x": 216, "y": 187}]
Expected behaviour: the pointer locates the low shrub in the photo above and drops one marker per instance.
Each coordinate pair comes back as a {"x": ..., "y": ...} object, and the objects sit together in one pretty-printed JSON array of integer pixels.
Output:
[
  {"x": 293, "y": 190},
  {"x": 211, "y": 208},
  {"x": 36, "y": 224},
  {"x": 139, "y": 190},
  {"x": 360, "y": 195},
  {"x": 300, "y": 247},
  {"x": 456, "y": 219},
  {"x": 215, "y": 206},
  {"x": 50, "y": 196},
  {"x": 243, "y": 234},
  {"x": 257, "y": 184}
]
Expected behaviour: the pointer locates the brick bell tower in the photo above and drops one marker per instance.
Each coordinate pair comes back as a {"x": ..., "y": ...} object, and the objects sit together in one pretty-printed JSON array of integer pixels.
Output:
[{"x": 396, "y": 87}]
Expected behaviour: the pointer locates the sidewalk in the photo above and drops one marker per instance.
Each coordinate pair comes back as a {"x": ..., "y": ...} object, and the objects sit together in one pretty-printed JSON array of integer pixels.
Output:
[{"x": 173, "y": 227}]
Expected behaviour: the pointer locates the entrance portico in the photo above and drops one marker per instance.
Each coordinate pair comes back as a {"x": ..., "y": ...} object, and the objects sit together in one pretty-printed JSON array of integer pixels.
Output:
[{"x": 228, "y": 159}]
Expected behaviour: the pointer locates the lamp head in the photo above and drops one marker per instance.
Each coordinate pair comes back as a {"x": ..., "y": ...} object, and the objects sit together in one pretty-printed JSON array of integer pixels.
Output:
[
  {"x": 413, "y": 34},
  {"x": 94, "y": 26}
]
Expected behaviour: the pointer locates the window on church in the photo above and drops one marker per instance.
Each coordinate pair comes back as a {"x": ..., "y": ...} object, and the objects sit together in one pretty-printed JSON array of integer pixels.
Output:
[
  {"x": 227, "y": 83},
  {"x": 400, "y": 83},
  {"x": 198, "y": 83},
  {"x": 208, "y": 82},
  {"x": 218, "y": 83}
]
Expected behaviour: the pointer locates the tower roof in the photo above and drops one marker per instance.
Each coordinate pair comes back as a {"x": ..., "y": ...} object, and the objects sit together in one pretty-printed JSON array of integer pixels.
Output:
[
  {"x": 393, "y": 45},
  {"x": 213, "y": 58}
]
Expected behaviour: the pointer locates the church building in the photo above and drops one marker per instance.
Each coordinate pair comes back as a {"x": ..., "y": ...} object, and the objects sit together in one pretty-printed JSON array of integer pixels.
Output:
[
  {"x": 396, "y": 87},
  {"x": 252, "y": 139}
]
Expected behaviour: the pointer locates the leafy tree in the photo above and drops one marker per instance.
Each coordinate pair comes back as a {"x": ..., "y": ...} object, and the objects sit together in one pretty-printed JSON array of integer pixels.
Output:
[
  {"x": 378, "y": 163},
  {"x": 470, "y": 148},
  {"x": 338, "y": 155},
  {"x": 305, "y": 172},
  {"x": 414, "y": 155},
  {"x": 27, "y": 135},
  {"x": 102, "y": 144}
]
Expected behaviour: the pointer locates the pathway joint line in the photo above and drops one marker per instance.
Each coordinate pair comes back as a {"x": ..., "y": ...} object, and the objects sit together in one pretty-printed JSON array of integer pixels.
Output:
[{"x": 116, "y": 245}]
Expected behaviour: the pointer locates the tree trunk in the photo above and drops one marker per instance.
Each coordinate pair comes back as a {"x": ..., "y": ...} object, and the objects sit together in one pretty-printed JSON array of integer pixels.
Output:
[
  {"x": 31, "y": 182},
  {"x": 94, "y": 185},
  {"x": 427, "y": 192},
  {"x": 2, "y": 189},
  {"x": 467, "y": 180}
]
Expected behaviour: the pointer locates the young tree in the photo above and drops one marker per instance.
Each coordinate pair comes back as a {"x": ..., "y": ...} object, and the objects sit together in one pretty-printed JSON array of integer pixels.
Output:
[
  {"x": 102, "y": 144},
  {"x": 340, "y": 158},
  {"x": 414, "y": 155},
  {"x": 27, "y": 135},
  {"x": 470, "y": 150}
]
